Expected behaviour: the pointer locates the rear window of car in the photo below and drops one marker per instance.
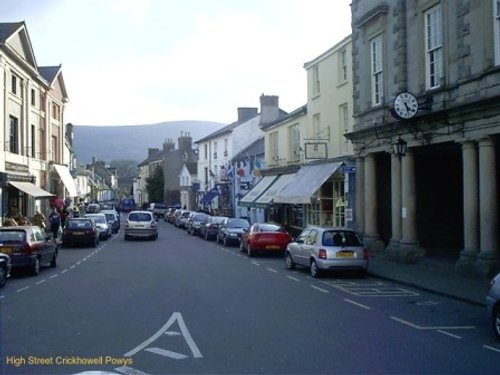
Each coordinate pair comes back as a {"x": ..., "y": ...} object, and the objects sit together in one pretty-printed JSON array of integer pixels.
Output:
[
  {"x": 139, "y": 216},
  {"x": 79, "y": 224},
  {"x": 99, "y": 218},
  {"x": 340, "y": 238},
  {"x": 110, "y": 217},
  {"x": 12, "y": 236},
  {"x": 199, "y": 217},
  {"x": 268, "y": 228},
  {"x": 237, "y": 223}
]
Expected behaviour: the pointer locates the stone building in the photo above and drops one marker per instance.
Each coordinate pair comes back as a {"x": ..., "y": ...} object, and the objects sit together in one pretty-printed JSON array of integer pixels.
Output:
[{"x": 426, "y": 129}]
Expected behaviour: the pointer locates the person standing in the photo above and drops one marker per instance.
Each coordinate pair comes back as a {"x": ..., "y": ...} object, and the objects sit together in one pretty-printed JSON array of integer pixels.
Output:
[{"x": 55, "y": 223}]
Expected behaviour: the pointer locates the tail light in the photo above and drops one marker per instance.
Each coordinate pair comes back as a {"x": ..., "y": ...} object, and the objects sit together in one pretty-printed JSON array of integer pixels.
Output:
[
  {"x": 322, "y": 254},
  {"x": 27, "y": 249}
]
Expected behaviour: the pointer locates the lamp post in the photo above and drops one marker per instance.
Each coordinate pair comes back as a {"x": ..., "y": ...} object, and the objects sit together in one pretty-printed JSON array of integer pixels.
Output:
[{"x": 400, "y": 147}]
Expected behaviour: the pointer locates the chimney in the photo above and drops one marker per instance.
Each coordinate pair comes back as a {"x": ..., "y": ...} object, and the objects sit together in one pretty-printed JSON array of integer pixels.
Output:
[
  {"x": 269, "y": 108},
  {"x": 246, "y": 113},
  {"x": 152, "y": 151},
  {"x": 185, "y": 144},
  {"x": 168, "y": 145}
]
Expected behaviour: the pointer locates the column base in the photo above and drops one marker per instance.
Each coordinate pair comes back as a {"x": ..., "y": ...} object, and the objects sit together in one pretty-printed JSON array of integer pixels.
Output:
[
  {"x": 404, "y": 252},
  {"x": 466, "y": 265},
  {"x": 488, "y": 265},
  {"x": 373, "y": 244}
]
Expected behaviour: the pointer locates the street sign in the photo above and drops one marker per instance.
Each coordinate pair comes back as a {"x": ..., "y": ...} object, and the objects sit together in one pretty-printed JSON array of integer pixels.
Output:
[{"x": 347, "y": 169}]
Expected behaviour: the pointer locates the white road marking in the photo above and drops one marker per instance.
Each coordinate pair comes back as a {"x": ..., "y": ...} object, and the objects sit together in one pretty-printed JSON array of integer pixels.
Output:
[
  {"x": 41, "y": 281},
  {"x": 22, "y": 289},
  {"x": 255, "y": 263},
  {"x": 54, "y": 276},
  {"x": 64, "y": 271},
  {"x": 358, "y": 304},
  {"x": 2, "y": 297},
  {"x": 176, "y": 317},
  {"x": 436, "y": 328},
  {"x": 293, "y": 278},
  {"x": 320, "y": 289},
  {"x": 491, "y": 348},
  {"x": 449, "y": 334},
  {"x": 272, "y": 270}
]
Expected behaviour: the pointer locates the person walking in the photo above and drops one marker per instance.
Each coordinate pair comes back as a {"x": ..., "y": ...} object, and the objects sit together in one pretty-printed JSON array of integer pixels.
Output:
[{"x": 55, "y": 223}]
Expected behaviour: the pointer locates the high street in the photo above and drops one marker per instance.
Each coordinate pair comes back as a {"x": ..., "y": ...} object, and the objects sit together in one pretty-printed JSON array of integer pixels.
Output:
[{"x": 183, "y": 305}]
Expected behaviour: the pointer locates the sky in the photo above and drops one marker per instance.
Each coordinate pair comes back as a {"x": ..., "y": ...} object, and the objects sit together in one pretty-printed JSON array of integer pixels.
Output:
[{"x": 133, "y": 62}]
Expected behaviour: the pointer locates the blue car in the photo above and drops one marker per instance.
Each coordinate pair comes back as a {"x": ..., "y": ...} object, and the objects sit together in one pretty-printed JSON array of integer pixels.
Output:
[{"x": 493, "y": 304}]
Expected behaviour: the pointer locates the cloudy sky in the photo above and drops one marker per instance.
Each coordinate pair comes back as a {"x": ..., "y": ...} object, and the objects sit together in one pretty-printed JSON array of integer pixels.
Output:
[{"x": 129, "y": 62}]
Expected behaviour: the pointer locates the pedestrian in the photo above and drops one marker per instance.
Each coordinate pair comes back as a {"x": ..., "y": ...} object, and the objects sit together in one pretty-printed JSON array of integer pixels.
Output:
[{"x": 55, "y": 223}]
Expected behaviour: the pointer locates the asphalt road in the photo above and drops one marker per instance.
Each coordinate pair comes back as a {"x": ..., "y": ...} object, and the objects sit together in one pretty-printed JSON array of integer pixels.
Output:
[{"x": 181, "y": 305}]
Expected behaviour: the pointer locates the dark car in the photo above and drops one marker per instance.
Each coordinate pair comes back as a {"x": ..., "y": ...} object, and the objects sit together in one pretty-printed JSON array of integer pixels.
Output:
[
  {"x": 230, "y": 231},
  {"x": 210, "y": 227},
  {"x": 195, "y": 222},
  {"x": 28, "y": 247},
  {"x": 113, "y": 220},
  {"x": 5, "y": 267},
  {"x": 493, "y": 305},
  {"x": 265, "y": 237},
  {"x": 80, "y": 231}
]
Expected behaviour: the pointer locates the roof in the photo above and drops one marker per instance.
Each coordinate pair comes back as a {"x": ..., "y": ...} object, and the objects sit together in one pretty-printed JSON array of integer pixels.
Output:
[
  {"x": 192, "y": 167},
  {"x": 287, "y": 117},
  {"x": 225, "y": 130},
  {"x": 8, "y": 29},
  {"x": 49, "y": 73},
  {"x": 255, "y": 148}
]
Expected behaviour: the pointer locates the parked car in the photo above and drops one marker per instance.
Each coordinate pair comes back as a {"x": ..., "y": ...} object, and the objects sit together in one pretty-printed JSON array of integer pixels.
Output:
[
  {"x": 80, "y": 231},
  {"x": 28, "y": 247},
  {"x": 230, "y": 231},
  {"x": 102, "y": 224},
  {"x": 265, "y": 237},
  {"x": 194, "y": 222},
  {"x": 210, "y": 227},
  {"x": 169, "y": 215},
  {"x": 182, "y": 218},
  {"x": 113, "y": 219},
  {"x": 158, "y": 209},
  {"x": 92, "y": 208},
  {"x": 5, "y": 267},
  {"x": 493, "y": 305},
  {"x": 141, "y": 224},
  {"x": 322, "y": 249}
]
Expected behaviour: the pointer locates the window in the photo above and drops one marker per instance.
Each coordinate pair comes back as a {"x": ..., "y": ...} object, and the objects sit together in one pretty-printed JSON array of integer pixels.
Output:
[
  {"x": 343, "y": 66},
  {"x": 56, "y": 111},
  {"x": 294, "y": 141},
  {"x": 344, "y": 121},
  {"x": 13, "y": 88},
  {"x": 225, "y": 147},
  {"x": 33, "y": 97},
  {"x": 33, "y": 141},
  {"x": 14, "y": 135},
  {"x": 433, "y": 47},
  {"x": 316, "y": 86},
  {"x": 206, "y": 151},
  {"x": 316, "y": 125},
  {"x": 496, "y": 27},
  {"x": 274, "y": 146},
  {"x": 376, "y": 70},
  {"x": 54, "y": 149},
  {"x": 215, "y": 150}
]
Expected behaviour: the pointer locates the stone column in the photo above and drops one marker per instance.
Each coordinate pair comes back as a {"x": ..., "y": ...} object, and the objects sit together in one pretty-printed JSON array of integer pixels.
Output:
[
  {"x": 370, "y": 199},
  {"x": 409, "y": 245},
  {"x": 489, "y": 256},
  {"x": 471, "y": 207},
  {"x": 396, "y": 199},
  {"x": 359, "y": 215}
]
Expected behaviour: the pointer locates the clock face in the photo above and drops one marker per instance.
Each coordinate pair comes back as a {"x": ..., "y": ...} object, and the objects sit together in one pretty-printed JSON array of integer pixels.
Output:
[{"x": 405, "y": 105}]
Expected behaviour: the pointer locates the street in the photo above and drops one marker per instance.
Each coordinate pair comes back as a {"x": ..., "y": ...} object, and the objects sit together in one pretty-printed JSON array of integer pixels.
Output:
[{"x": 182, "y": 305}]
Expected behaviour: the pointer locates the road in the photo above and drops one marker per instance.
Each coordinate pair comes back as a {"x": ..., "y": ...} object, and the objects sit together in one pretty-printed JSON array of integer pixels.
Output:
[{"x": 181, "y": 305}]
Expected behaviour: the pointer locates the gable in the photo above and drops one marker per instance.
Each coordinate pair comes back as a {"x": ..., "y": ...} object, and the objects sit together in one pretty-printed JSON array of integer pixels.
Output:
[{"x": 20, "y": 44}]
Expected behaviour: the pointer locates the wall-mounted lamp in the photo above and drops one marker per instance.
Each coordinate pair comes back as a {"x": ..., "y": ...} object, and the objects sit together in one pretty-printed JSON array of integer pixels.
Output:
[{"x": 400, "y": 147}]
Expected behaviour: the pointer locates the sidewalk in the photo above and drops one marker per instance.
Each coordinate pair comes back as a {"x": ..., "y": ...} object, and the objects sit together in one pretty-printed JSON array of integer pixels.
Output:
[{"x": 436, "y": 277}]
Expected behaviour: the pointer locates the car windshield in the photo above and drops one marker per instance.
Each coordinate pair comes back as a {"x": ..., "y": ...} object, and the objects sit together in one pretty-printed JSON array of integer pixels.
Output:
[
  {"x": 12, "y": 236},
  {"x": 139, "y": 216},
  {"x": 199, "y": 217},
  {"x": 237, "y": 223},
  {"x": 110, "y": 217},
  {"x": 100, "y": 219}
]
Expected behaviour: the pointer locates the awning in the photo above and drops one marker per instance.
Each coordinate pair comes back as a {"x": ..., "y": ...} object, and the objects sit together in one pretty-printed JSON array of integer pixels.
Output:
[
  {"x": 267, "y": 198},
  {"x": 308, "y": 179},
  {"x": 31, "y": 189},
  {"x": 257, "y": 190},
  {"x": 210, "y": 195},
  {"x": 67, "y": 179}
]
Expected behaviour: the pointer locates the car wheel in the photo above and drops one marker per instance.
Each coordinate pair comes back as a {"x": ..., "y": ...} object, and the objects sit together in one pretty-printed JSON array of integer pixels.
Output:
[
  {"x": 224, "y": 241},
  {"x": 35, "y": 268},
  {"x": 289, "y": 264},
  {"x": 315, "y": 272},
  {"x": 495, "y": 320},
  {"x": 206, "y": 236},
  {"x": 242, "y": 249},
  {"x": 53, "y": 263},
  {"x": 3, "y": 277}
]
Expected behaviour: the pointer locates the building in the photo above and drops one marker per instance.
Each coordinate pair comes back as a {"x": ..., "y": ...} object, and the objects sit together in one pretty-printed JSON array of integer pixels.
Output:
[
  {"x": 426, "y": 130},
  {"x": 32, "y": 102}
]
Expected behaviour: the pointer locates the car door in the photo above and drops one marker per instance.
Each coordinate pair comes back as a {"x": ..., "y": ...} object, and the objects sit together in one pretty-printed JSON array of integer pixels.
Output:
[
  {"x": 299, "y": 248},
  {"x": 310, "y": 246},
  {"x": 38, "y": 240}
]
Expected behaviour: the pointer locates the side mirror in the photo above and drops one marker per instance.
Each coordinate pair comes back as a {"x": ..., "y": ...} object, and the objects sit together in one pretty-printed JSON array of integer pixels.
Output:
[{"x": 299, "y": 240}]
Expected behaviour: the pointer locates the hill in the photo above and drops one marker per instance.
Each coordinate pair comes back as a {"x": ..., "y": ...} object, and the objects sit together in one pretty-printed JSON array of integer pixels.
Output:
[{"x": 109, "y": 143}]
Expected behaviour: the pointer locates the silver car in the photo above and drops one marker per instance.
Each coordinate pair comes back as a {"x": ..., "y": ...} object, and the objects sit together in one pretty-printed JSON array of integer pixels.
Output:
[
  {"x": 102, "y": 225},
  {"x": 322, "y": 249},
  {"x": 493, "y": 304},
  {"x": 141, "y": 224}
]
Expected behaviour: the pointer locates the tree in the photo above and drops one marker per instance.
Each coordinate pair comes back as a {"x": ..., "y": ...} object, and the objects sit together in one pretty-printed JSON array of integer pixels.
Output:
[{"x": 154, "y": 185}]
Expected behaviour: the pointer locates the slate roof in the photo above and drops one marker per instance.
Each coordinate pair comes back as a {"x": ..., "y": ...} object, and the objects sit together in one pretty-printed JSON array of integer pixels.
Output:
[
  {"x": 7, "y": 29},
  {"x": 49, "y": 73},
  {"x": 255, "y": 148}
]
